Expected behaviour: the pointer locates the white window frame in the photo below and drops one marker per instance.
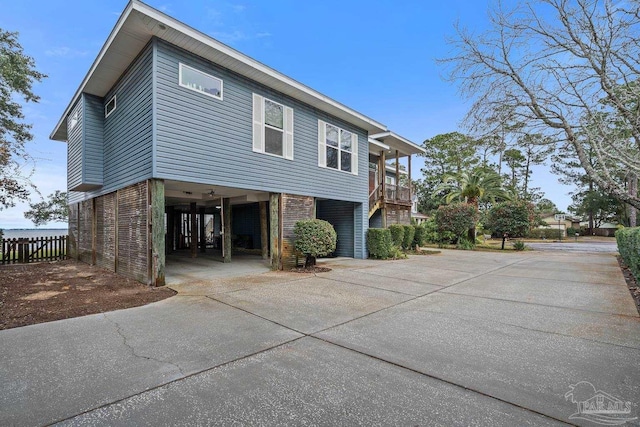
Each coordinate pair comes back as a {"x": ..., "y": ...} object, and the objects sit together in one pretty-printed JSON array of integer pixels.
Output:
[
  {"x": 115, "y": 105},
  {"x": 182, "y": 66},
  {"x": 260, "y": 126},
  {"x": 74, "y": 119},
  {"x": 322, "y": 148}
]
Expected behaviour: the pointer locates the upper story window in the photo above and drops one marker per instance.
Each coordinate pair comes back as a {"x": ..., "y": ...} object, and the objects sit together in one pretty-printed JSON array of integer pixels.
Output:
[
  {"x": 337, "y": 148},
  {"x": 75, "y": 118},
  {"x": 110, "y": 107},
  {"x": 272, "y": 127},
  {"x": 200, "y": 82}
]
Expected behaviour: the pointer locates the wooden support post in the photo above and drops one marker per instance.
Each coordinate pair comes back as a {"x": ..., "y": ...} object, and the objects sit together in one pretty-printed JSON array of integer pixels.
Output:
[
  {"x": 193, "y": 244},
  {"x": 226, "y": 226},
  {"x": 158, "y": 245},
  {"x": 383, "y": 188},
  {"x": 264, "y": 230},
  {"x": 158, "y": 238},
  {"x": 203, "y": 237},
  {"x": 410, "y": 182},
  {"x": 274, "y": 229},
  {"x": 397, "y": 171}
]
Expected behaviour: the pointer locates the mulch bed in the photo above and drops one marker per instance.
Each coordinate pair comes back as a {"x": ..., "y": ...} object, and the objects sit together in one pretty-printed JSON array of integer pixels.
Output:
[
  {"x": 47, "y": 291},
  {"x": 632, "y": 284}
]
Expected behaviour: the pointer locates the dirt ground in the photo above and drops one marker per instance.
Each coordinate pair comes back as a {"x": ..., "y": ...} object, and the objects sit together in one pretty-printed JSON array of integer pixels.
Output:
[{"x": 42, "y": 292}]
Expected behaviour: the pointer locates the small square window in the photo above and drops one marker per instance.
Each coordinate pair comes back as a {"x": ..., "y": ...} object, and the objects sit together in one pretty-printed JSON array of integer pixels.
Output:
[
  {"x": 200, "y": 82},
  {"x": 110, "y": 107}
]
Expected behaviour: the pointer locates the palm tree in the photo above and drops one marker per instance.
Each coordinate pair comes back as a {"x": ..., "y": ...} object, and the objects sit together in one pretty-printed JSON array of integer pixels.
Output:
[{"x": 481, "y": 184}]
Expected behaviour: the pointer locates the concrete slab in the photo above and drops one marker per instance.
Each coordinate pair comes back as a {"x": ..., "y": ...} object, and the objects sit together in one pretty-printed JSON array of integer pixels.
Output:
[
  {"x": 590, "y": 274},
  {"x": 56, "y": 370},
  {"x": 310, "y": 382},
  {"x": 419, "y": 273},
  {"x": 605, "y": 328},
  {"x": 527, "y": 368},
  {"x": 181, "y": 268},
  {"x": 312, "y": 304},
  {"x": 574, "y": 295},
  {"x": 395, "y": 284},
  {"x": 231, "y": 284}
]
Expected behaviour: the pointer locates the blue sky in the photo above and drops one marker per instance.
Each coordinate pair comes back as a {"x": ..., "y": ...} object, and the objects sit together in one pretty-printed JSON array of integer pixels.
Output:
[{"x": 377, "y": 57}]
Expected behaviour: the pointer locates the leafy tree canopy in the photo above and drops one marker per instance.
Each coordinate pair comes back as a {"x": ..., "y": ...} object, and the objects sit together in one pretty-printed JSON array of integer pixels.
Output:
[
  {"x": 17, "y": 75},
  {"x": 54, "y": 209}
]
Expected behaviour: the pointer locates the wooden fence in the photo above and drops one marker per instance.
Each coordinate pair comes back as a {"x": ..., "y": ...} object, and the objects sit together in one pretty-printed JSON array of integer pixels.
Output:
[{"x": 33, "y": 249}]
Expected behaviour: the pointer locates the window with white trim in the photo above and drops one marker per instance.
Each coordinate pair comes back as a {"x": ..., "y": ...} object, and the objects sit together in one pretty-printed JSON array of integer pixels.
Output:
[
  {"x": 199, "y": 81},
  {"x": 337, "y": 148},
  {"x": 110, "y": 107},
  {"x": 272, "y": 127}
]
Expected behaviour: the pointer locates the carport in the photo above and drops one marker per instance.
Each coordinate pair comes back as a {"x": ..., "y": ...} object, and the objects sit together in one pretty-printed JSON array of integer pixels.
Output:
[{"x": 207, "y": 225}]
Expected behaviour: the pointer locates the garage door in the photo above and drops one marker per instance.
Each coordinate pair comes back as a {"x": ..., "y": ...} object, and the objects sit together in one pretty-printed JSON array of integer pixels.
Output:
[{"x": 340, "y": 215}]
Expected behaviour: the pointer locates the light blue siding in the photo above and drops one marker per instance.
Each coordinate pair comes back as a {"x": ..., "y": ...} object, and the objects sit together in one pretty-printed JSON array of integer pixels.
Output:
[
  {"x": 93, "y": 140},
  {"x": 127, "y": 132},
  {"x": 206, "y": 140}
]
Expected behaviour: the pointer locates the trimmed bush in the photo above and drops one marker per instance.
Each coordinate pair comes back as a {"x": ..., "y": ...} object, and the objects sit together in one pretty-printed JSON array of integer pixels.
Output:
[
  {"x": 544, "y": 233},
  {"x": 629, "y": 247},
  {"x": 379, "y": 243},
  {"x": 514, "y": 218},
  {"x": 409, "y": 233},
  {"x": 314, "y": 238},
  {"x": 397, "y": 234},
  {"x": 571, "y": 232},
  {"x": 419, "y": 235},
  {"x": 456, "y": 219},
  {"x": 519, "y": 245}
]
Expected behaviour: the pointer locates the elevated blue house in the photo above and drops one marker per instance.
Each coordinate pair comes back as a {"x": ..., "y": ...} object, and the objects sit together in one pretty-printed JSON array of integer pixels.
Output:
[{"x": 179, "y": 142}]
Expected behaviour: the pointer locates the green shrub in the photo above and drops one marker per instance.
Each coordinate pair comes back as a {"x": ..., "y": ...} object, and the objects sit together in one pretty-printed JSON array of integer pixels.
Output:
[
  {"x": 544, "y": 233},
  {"x": 465, "y": 244},
  {"x": 513, "y": 218},
  {"x": 419, "y": 235},
  {"x": 431, "y": 231},
  {"x": 519, "y": 245},
  {"x": 314, "y": 238},
  {"x": 409, "y": 234},
  {"x": 379, "y": 243},
  {"x": 396, "y": 253},
  {"x": 629, "y": 247},
  {"x": 456, "y": 218},
  {"x": 397, "y": 234},
  {"x": 571, "y": 232}
]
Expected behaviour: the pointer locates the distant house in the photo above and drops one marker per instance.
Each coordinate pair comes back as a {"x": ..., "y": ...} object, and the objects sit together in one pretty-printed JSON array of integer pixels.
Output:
[
  {"x": 179, "y": 142},
  {"x": 552, "y": 223}
]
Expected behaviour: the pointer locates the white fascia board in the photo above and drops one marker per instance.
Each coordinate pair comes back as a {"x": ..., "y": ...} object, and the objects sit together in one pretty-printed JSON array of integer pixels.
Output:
[{"x": 378, "y": 144}]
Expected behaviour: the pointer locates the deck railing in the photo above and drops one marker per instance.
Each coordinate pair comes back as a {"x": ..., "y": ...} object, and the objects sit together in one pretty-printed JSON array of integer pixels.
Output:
[{"x": 34, "y": 249}]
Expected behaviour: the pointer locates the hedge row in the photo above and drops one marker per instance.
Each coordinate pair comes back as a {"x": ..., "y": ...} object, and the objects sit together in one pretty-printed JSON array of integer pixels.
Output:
[
  {"x": 629, "y": 247},
  {"x": 383, "y": 243}
]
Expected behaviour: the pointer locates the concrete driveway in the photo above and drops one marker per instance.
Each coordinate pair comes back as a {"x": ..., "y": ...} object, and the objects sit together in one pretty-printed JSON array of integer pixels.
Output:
[{"x": 459, "y": 338}]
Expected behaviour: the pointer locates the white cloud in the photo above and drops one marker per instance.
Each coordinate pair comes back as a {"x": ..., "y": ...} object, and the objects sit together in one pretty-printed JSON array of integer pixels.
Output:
[
  {"x": 65, "y": 52},
  {"x": 238, "y": 8},
  {"x": 263, "y": 34},
  {"x": 230, "y": 37}
]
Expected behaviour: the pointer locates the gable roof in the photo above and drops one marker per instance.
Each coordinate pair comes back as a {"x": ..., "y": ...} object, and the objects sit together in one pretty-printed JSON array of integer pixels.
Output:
[{"x": 139, "y": 22}]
